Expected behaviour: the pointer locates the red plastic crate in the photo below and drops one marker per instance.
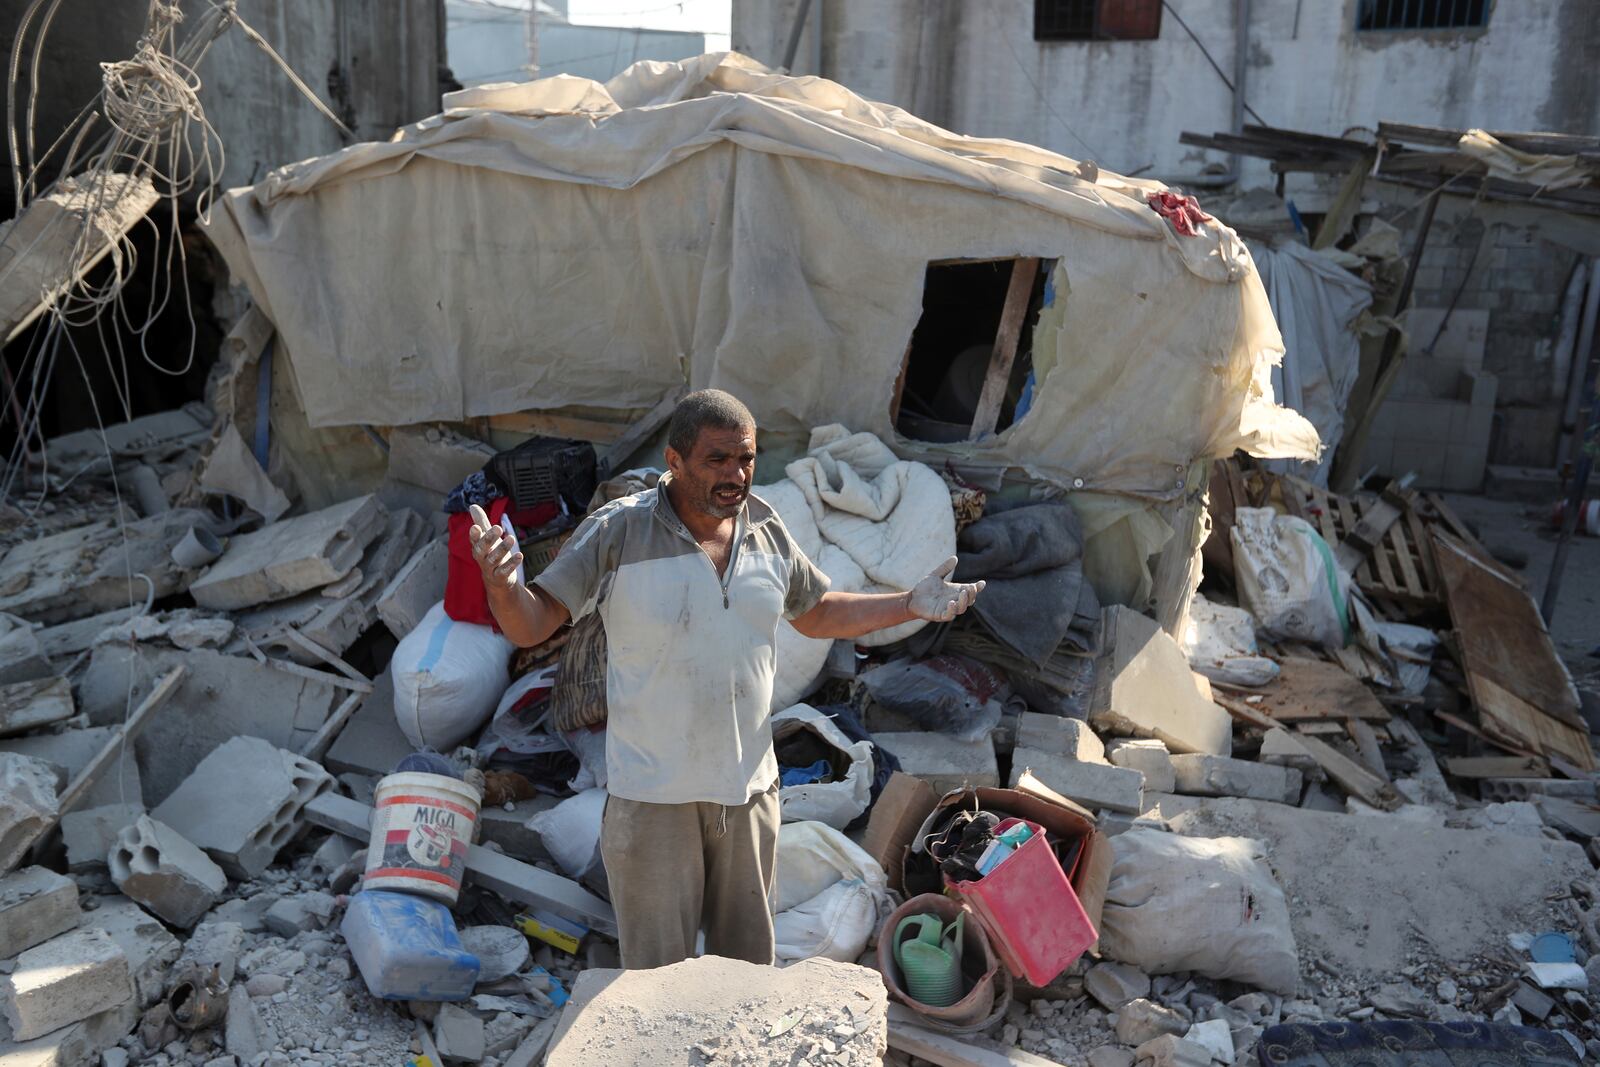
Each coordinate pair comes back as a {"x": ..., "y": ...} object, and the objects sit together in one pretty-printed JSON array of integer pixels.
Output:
[{"x": 1029, "y": 910}]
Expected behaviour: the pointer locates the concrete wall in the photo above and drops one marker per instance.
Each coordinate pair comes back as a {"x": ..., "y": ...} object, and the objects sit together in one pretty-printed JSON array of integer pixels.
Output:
[
  {"x": 487, "y": 45},
  {"x": 973, "y": 66}
]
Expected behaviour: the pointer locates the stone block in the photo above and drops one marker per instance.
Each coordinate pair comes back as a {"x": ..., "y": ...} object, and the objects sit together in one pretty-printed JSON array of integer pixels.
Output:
[
  {"x": 1145, "y": 688},
  {"x": 1284, "y": 749},
  {"x": 22, "y": 654},
  {"x": 153, "y": 864},
  {"x": 943, "y": 762},
  {"x": 1217, "y": 776},
  {"x": 1146, "y": 755},
  {"x": 299, "y": 913},
  {"x": 434, "y": 458},
  {"x": 242, "y": 1029},
  {"x": 68, "y": 753},
  {"x": 1144, "y": 1020},
  {"x": 1060, "y": 736},
  {"x": 150, "y": 948},
  {"x": 223, "y": 697},
  {"x": 65, "y": 980},
  {"x": 27, "y": 706},
  {"x": 371, "y": 742},
  {"x": 291, "y": 556},
  {"x": 459, "y": 1034},
  {"x": 80, "y": 1044},
  {"x": 242, "y": 803},
  {"x": 1170, "y": 1051},
  {"x": 91, "y": 833},
  {"x": 1215, "y": 1037},
  {"x": 1115, "y": 984},
  {"x": 36, "y": 904},
  {"x": 27, "y": 804},
  {"x": 417, "y": 587},
  {"x": 1094, "y": 785}
]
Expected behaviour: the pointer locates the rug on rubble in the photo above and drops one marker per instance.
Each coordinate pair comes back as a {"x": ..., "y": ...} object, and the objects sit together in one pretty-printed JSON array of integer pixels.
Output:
[{"x": 1412, "y": 1044}]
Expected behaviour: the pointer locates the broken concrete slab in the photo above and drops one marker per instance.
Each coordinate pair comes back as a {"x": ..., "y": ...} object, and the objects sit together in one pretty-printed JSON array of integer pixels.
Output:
[
  {"x": 27, "y": 805},
  {"x": 458, "y": 1034},
  {"x": 418, "y": 586},
  {"x": 371, "y": 742},
  {"x": 1331, "y": 866},
  {"x": 209, "y": 708},
  {"x": 150, "y": 949},
  {"x": 1170, "y": 1051},
  {"x": 1094, "y": 785},
  {"x": 150, "y": 438},
  {"x": 154, "y": 865},
  {"x": 291, "y": 556},
  {"x": 242, "y": 1029},
  {"x": 242, "y": 803},
  {"x": 434, "y": 458},
  {"x": 232, "y": 470},
  {"x": 619, "y": 1017},
  {"x": 1280, "y": 747},
  {"x": 91, "y": 833},
  {"x": 219, "y": 944},
  {"x": 28, "y": 706},
  {"x": 1220, "y": 776},
  {"x": 22, "y": 654},
  {"x": 1146, "y": 755},
  {"x": 300, "y": 913},
  {"x": 942, "y": 761},
  {"x": 77, "y": 1045},
  {"x": 86, "y": 571},
  {"x": 333, "y": 617},
  {"x": 63, "y": 981},
  {"x": 1144, "y": 1020},
  {"x": 1060, "y": 736},
  {"x": 67, "y": 754},
  {"x": 36, "y": 904},
  {"x": 1115, "y": 984},
  {"x": 1145, "y": 688}
]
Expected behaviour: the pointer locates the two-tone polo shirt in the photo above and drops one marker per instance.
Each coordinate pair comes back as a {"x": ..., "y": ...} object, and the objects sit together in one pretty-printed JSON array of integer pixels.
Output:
[{"x": 691, "y": 655}]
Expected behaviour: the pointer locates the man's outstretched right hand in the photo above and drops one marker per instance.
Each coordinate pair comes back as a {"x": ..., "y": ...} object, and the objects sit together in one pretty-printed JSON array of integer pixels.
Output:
[{"x": 495, "y": 549}]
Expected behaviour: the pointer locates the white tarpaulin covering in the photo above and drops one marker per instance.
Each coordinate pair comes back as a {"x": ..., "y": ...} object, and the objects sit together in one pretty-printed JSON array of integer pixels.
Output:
[
  {"x": 561, "y": 242},
  {"x": 1317, "y": 303}
]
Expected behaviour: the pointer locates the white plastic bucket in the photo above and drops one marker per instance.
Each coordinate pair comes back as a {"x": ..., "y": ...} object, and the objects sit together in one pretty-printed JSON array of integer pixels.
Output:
[{"x": 421, "y": 828}]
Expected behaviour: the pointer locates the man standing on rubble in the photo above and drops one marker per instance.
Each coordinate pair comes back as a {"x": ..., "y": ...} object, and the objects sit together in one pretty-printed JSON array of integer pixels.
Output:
[{"x": 690, "y": 580}]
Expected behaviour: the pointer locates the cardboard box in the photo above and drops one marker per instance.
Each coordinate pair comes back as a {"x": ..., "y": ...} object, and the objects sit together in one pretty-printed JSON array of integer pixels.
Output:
[{"x": 902, "y": 808}]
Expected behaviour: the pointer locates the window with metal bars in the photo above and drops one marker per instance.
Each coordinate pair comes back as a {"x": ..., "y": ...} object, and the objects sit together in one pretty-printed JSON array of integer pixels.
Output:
[
  {"x": 1421, "y": 14},
  {"x": 1096, "y": 20}
]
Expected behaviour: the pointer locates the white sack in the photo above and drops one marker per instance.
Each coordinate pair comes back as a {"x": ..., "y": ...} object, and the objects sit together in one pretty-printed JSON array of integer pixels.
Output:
[
  {"x": 830, "y": 895},
  {"x": 1287, "y": 578},
  {"x": 448, "y": 676},
  {"x": 1220, "y": 643},
  {"x": 571, "y": 831},
  {"x": 1198, "y": 904},
  {"x": 835, "y": 803}
]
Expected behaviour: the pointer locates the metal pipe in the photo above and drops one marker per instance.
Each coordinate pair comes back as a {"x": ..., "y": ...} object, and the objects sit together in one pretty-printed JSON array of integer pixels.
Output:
[
  {"x": 1580, "y": 366},
  {"x": 793, "y": 47}
]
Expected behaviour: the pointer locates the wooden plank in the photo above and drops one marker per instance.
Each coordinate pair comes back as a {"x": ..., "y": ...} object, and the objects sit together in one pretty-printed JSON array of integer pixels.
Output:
[
  {"x": 1402, "y": 555},
  {"x": 1363, "y": 537},
  {"x": 1519, "y": 684},
  {"x": 1024, "y": 271},
  {"x": 1498, "y": 767},
  {"x": 549, "y": 424},
  {"x": 1315, "y": 689},
  {"x": 1461, "y": 533},
  {"x": 1471, "y": 729},
  {"x": 950, "y": 1050},
  {"x": 516, "y": 881},
  {"x": 641, "y": 431},
  {"x": 1423, "y": 547},
  {"x": 1349, "y": 775},
  {"x": 316, "y": 748},
  {"x": 1366, "y": 742},
  {"x": 1243, "y": 712}
]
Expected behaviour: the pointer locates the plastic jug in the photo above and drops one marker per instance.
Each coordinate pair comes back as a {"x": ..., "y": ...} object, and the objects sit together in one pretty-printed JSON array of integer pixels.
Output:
[
  {"x": 930, "y": 958},
  {"x": 407, "y": 947}
]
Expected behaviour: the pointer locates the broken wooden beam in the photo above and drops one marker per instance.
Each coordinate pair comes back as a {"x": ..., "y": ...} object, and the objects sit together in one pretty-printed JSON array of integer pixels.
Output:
[
  {"x": 952, "y": 1050},
  {"x": 1351, "y": 776},
  {"x": 1019, "y": 292}
]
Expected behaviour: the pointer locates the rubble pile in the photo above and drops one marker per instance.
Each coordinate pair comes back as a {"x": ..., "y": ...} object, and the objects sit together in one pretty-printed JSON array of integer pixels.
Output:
[{"x": 191, "y": 765}]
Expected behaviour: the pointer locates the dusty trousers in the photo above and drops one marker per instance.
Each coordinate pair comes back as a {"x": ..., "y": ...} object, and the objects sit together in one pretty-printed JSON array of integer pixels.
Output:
[{"x": 674, "y": 869}]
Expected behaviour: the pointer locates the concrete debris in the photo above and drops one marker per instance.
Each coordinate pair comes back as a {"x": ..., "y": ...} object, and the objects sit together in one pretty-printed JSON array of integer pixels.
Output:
[
  {"x": 242, "y": 1035},
  {"x": 30, "y": 705},
  {"x": 291, "y": 556},
  {"x": 942, "y": 761},
  {"x": 35, "y": 905},
  {"x": 1094, "y": 785},
  {"x": 1143, "y": 1020},
  {"x": 458, "y": 1034},
  {"x": 1115, "y": 984},
  {"x": 1170, "y": 1051},
  {"x": 1145, "y": 688},
  {"x": 243, "y": 803},
  {"x": 233, "y": 470},
  {"x": 67, "y": 754},
  {"x": 150, "y": 949},
  {"x": 415, "y": 588},
  {"x": 28, "y": 789},
  {"x": 154, "y": 865},
  {"x": 1215, "y": 1037},
  {"x": 371, "y": 742},
  {"x": 1060, "y": 736},
  {"x": 23, "y": 657},
  {"x": 63, "y": 981},
  {"x": 300, "y": 913},
  {"x": 1536, "y": 788},
  {"x": 90, "y": 833},
  {"x": 1111, "y": 1056},
  {"x": 1283, "y": 748},
  {"x": 1147, "y": 756},
  {"x": 1218, "y": 776}
]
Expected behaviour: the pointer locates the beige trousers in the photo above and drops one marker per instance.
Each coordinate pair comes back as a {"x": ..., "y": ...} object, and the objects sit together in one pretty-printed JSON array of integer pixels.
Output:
[{"x": 675, "y": 868}]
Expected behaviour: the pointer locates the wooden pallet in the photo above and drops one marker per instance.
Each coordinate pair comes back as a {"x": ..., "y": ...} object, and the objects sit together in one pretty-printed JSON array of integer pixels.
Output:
[{"x": 1400, "y": 573}]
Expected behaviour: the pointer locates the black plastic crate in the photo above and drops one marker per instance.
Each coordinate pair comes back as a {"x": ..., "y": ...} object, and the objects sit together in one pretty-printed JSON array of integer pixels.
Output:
[{"x": 543, "y": 469}]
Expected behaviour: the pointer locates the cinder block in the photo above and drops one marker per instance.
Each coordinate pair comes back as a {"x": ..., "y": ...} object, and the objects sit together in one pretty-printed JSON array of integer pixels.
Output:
[
  {"x": 1213, "y": 776},
  {"x": 943, "y": 762},
  {"x": 90, "y": 834},
  {"x": 155, "y": 865},
  {"x": 1060, "y": 736},
  {"x": 242, "y": 803},
  {"x": 36, "y": 904},
  {"x": 150, "y": 948},
  {"x": 1145, "y": 688},
  {"x": 65, "y": 980},
  {"x": 417, "y": 587},
  {"x": 1094, "y": 785},
  {"x": 1147, "y": 756}
]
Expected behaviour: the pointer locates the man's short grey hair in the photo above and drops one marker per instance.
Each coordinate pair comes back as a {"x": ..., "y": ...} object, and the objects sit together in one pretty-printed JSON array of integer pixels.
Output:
[{"x": 705, "y": 408}]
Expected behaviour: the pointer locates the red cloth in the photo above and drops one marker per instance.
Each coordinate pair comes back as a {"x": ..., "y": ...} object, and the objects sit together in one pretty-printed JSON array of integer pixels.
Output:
[
  {"x": 465, "y": 598},
  {"x": 1183, "y": 211}
]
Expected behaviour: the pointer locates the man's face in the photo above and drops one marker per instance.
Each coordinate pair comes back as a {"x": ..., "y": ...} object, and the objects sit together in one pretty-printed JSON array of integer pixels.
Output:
[{"x": 715, "y": 477}]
